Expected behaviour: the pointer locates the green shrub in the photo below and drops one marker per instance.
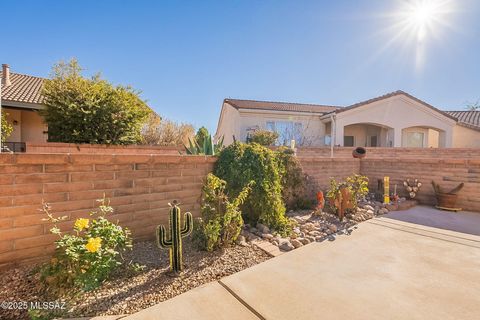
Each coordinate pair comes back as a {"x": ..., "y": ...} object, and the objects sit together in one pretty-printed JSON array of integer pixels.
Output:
[
  {"x": 221, "y": 220},
  {"x": 294, "y": 190},
  {"x": 263, "y": 137},
  {"x": 87, "y": 256},
  {"x": 91, "y": 110},
  {"x": 240, "y": 163}
]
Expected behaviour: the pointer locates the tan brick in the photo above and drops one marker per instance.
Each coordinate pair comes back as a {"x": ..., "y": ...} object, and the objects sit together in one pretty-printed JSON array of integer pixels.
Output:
[
  {"x": 40, "y": 241},
  {"x": 6, "y": 223},
  {"x": 54, "y": 168},
  {"x": 6, "y": 246},
  {"x": 84, "y": 159},
  {"x": 19, "y": 233},
  {"x": 91, "y": 176},
  {"x": 28, "y": 168},
  {"x": 114, "y": 167},
  {"x": 6, "y": 179},
  {"x": 6, "y": 202},
  {"x": 133, "y": 158},
  {"x": 23, "y": 254},
  {"x": 39, "y": 199},
  {"x": 42, "y": 158},
  {"x": 93, "y": 195},
  {"x": 134, "y": 174},
  {"x": 68, "y": 187},
  {"x": 41, "y": 178},
  {"x": 113, "y": 184}
]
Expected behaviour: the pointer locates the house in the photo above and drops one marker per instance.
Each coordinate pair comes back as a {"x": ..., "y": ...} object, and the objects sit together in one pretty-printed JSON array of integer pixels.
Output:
[
  {"x": 397, "y": 119},
  {"x": 21, "y": 100}
]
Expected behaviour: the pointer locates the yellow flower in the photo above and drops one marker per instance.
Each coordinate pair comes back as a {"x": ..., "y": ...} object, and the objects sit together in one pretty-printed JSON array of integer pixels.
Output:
[
  {"x": 94, "y": 244},
  {"x": 81, "y": 224}
]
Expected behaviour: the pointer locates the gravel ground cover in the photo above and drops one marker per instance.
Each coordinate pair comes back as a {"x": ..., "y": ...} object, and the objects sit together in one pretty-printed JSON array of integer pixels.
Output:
[{"x": 130, "y": 291}]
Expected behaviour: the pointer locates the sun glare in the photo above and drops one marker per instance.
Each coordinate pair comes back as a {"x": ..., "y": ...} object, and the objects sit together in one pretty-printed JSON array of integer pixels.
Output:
[{"x": 417, "y": 22}]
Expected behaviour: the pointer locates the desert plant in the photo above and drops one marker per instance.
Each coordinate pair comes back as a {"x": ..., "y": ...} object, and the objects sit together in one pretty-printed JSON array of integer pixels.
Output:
[
  {"x": 221, "y": 220},
  {"x": 358, "y": 187},
  {"x": 174, "y": 243},
  {"x": 201, "y": 135},
  {"x": 88, "y": 256},
  {"x": 263, "y": 137},
  {"x": 240, "y": 163},
  {"x": 208, "y": 148},
  {"x": 91, "y": 110}
]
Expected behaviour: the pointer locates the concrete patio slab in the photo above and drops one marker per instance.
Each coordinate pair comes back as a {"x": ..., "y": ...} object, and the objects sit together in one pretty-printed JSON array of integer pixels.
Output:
[
  {"x": 210, "y": 301},
  {"x": 463, "y": 221},
  {"x": 378, "y": 272}
]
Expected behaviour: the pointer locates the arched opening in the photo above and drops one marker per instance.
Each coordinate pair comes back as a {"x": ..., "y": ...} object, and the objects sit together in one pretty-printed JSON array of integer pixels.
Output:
[
  {"x": 368, "y": 135},
  {"x": 423, "y": 137}
]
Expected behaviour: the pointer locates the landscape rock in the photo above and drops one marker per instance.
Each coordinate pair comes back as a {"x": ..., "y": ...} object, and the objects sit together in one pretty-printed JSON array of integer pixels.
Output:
[
  {"x": 296, "y": 243},
  {"x": 286, "y": 246},
  {"x": 263, "y": 228},
  {"x": 332, "y": 228},
  {"x": 304, "y": 241}
]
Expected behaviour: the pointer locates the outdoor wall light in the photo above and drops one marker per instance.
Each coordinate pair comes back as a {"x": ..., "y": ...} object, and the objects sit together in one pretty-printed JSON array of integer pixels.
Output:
[{"x": 15, "y": 122}]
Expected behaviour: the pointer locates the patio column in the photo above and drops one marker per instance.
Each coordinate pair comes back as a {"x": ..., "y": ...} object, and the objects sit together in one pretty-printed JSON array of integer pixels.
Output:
[
  {"x": 445, "y": 138},
  {"x": 397, "y": 137}
]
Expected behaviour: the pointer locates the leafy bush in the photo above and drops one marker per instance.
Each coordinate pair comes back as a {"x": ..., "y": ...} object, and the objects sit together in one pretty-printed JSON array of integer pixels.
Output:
[
  {"x": 163, "y": 132},
  {"x": 81, "y": 110},
  {"x": 87, "y": 256},
  {"x": 7, "y": 128},
  {"x": 221, "y": 220},
  {"x": 294, "y": 190},
  {"x": 263, "y": 137},
  {"x": 240, "y": 163}
]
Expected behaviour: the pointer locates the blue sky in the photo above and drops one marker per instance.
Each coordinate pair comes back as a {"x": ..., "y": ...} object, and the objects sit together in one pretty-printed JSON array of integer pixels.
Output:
[{"x": 187, "y": 56}]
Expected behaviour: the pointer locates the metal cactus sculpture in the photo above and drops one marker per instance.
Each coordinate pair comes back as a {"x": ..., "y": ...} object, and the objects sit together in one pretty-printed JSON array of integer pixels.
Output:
[{"x": 174, "y": 243}]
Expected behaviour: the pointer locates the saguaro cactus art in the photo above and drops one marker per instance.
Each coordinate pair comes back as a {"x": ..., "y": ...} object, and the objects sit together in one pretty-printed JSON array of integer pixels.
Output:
[{"x": 174, "y": 243}]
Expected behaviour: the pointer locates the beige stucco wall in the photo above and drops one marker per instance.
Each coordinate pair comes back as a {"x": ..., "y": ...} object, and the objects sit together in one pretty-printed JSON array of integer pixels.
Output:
[
  {"x": 229, "y": 124},
  {"x": 313, "y": 128},
  {"x": 465, "y": 137},
  {"x": 398, "y": 112},
  {"x": 29, "y": 127},
  {"x": 33, "y": 127},
  {"x": 363, "y": 132}
]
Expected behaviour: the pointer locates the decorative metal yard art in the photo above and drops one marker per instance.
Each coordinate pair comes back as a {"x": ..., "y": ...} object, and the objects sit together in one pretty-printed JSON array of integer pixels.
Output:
[
  {"x": 412, "y": 187},
  {"x": 386, "y": 190},
  {"x": 342, "y": 201},
  {"x": 174, "y": 243}
]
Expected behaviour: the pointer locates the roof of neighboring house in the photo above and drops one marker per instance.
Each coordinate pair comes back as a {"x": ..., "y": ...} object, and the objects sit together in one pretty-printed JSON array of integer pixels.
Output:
[
  {"x": 23, "y": 88},
  {"x": 279, "y": 106},
  {"x": 469, "y": 119},
  {"x": 393, "y": 94}
]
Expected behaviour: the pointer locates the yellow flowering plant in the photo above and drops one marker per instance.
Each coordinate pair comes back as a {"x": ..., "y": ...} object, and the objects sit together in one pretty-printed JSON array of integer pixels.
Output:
[{"x": 88, "y": 256}]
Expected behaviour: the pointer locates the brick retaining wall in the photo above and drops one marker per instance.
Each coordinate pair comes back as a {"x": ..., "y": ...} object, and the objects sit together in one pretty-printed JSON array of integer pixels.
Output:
[
  {"x": 139, "y": 186},
  {"x": 58, "y": 147}
]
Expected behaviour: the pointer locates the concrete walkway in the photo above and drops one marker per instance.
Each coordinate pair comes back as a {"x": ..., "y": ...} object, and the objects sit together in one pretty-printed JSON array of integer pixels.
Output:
[{"x": 386, "y": 269}]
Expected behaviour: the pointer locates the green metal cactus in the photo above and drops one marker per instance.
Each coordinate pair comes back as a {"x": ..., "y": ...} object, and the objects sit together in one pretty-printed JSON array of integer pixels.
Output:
[{"x": 174, "y": 243}]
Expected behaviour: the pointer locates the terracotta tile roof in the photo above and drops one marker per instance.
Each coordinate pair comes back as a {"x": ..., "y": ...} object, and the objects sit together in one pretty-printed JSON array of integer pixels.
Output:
[
  {"x": 279, "y": 106},
  {"x": 393, "y": 94},
  {"x": 23, "y": 88},
  {"x": 469, "y": 119}
]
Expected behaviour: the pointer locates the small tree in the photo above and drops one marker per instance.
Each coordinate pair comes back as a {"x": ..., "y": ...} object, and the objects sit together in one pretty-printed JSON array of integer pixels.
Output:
[
  {"x": 82, "y": 110},
  {"x": 164, "y": 132},
  {"x": 475, "y": 106},
  {"x": 7, "y": 127}
]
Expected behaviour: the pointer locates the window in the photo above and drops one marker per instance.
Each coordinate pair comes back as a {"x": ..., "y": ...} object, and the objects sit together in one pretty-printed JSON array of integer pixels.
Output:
[
  {"x": 348, "y": 141},
  {"x": 373, "y": 141},
  {"x": 415, "y": 139},
  {"x": 287, "y": 131}
]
